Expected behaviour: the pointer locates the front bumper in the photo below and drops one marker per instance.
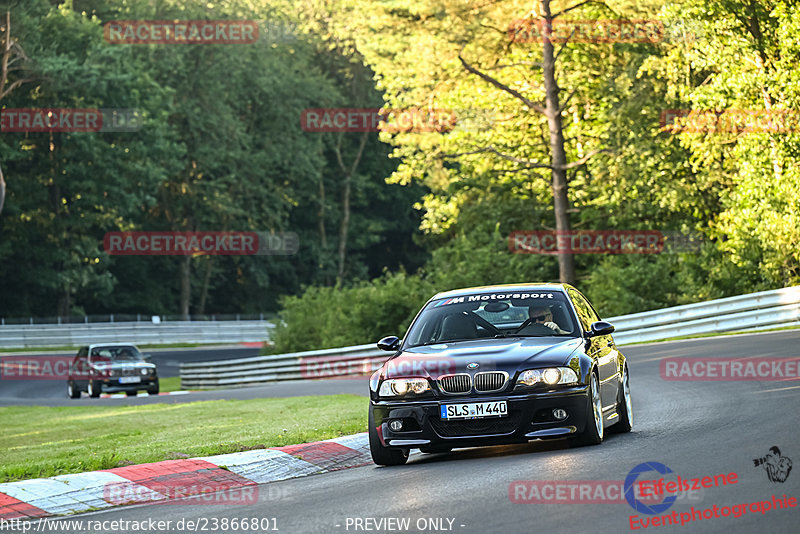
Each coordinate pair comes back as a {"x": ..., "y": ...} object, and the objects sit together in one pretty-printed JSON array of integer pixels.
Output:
[
  {"x": 529, "y": 417},
  {"x": 112, "y": 385}
]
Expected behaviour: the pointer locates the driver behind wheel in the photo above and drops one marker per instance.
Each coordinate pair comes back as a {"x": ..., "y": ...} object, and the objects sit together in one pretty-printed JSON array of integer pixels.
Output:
[{"x": 544, "y": 316}]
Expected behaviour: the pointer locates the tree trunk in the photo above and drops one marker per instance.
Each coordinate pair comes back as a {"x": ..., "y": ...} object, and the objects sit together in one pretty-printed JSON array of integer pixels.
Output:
[
  {"x": 344, "y": 226},
  {"x": 201, "y": 307},
  {"x": 11, "y": 51},
  {"x": 186, "y": 272},
  {"x": 2, "y": 191},
  {"x": 558, "y": 156},
  {"x": 64, "y": 303},
  {"x": 323, "y": 238}
]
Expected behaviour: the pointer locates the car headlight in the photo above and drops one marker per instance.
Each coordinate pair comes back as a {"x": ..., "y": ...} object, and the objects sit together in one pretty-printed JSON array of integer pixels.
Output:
[
  {"x": 550, "y": 376},
  {"x": 397, "y": 387},
  {"x": 145, "y": 371}
]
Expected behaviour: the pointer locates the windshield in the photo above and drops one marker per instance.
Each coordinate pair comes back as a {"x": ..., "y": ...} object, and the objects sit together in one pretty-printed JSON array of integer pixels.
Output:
[
  {"x": 490, "y": 315},
  {"x": 125, "y": 353}
]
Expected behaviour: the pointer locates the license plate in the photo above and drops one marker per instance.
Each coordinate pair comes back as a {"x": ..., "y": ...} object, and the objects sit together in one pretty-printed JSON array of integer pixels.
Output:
[
  {"x": 129, "y": 380},
  {"x": 474, "y": 410}
]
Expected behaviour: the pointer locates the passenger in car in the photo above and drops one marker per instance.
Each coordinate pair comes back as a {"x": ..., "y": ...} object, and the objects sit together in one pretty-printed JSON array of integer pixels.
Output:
[{"x": 458, "y": 326}]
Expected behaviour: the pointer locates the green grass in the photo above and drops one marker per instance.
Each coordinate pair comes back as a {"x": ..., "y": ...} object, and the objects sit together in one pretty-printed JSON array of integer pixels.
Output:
[
  {"x": 173, "y": 383},
  {"x": 42, "y": 441}
]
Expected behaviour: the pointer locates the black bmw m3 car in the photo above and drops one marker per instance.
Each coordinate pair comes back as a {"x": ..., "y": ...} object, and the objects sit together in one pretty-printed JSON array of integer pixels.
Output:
[{"x": 498, "y": 365}]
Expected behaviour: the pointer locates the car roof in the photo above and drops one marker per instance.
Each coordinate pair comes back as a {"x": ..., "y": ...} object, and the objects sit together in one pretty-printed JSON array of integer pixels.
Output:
[
  {"x": 95, "y": 345},
  {"x": 505, "y": 288}
]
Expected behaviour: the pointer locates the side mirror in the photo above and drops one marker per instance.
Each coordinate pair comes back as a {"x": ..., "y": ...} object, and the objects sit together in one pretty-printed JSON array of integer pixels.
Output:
[
  {"x": 147, "y": 357},
  {"x": 390, "y": 343},
  {"x": 601, "y": 328}
]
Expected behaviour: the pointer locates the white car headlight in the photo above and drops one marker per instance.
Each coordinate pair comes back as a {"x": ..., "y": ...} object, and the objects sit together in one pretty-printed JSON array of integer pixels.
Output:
[
  {"x": 397, "y": 387},
  {"x": 551, "y": 376}
]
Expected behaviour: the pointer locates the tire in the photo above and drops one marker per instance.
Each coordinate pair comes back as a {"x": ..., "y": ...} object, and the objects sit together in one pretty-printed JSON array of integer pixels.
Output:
[
  {"x": 72, "y": 391},
  {"x": 624, "y": 405},
  {"x": 153, "y": 390},
  {"x": 131, "y": 393},
  {"x": 593, "y": 432},
  {"x": 383, "y": 455},
  {"x": 434, "y": 449},
  {"x": 94, "y": 389}
]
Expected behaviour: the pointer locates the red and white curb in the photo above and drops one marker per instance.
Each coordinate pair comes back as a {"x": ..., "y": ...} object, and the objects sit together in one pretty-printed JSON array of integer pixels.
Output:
[
  {"x": 165, "y": 481},
  {"x": 142, "y": 394}
]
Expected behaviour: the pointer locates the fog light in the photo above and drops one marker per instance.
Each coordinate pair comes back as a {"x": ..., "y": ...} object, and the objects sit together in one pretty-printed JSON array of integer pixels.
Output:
[
  {"x": 396, "y": 425},
  {"x": 558, "y": 413}
]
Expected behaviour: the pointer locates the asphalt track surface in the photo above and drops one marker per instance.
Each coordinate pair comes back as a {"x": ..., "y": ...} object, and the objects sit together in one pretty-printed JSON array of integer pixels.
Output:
[{"x": 698, "y": 428}]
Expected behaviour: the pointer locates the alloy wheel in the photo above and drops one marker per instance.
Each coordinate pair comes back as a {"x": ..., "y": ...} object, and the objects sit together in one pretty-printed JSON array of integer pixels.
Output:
[{"x": 597, "y": 406}]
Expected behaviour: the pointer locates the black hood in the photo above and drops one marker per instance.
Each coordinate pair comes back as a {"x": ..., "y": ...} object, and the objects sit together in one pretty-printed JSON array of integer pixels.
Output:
[{"x": 503, "y": 354}]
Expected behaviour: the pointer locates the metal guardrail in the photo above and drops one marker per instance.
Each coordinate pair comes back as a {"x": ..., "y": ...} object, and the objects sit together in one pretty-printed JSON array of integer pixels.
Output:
[
  {"x": 767, "y": 309},
  {"x": 326, "y": 363},
  {"x": 133, "y": 317},
  {"x": 755, "y": 311},
  {"x": 165, "y": 332}
]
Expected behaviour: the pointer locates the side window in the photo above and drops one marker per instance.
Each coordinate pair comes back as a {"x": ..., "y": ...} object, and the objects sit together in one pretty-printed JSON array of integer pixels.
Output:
[
  {"x": 592, "y": 312},
  {"x": 76, "y": 363},
  {"x": 586, "y": 314}
]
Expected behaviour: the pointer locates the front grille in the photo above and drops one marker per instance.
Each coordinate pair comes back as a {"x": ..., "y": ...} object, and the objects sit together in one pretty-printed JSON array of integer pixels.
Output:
[
  {"x": 461, "y": 383},
  {"x": 490, "y": 381},
  {"x": 127, "y": 372},
  {"x": 476, "y": 427}
]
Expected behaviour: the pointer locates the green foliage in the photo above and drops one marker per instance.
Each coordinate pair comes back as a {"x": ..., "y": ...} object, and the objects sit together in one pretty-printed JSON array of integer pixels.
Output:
[
  {"x": 740, "y": 191},
  {"x": 222, "y": 148},
  {"x": 326, "y": 317}
]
